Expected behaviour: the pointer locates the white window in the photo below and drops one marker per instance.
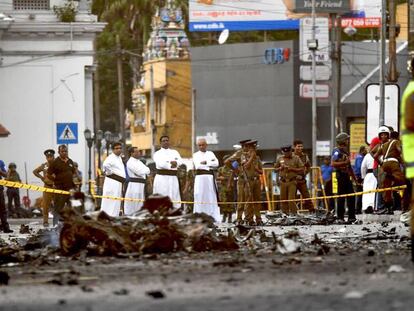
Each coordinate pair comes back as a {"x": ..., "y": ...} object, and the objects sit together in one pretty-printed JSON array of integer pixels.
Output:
[
  {"x": 31, "y": 5},
  {"x": 159, "y": 108}
]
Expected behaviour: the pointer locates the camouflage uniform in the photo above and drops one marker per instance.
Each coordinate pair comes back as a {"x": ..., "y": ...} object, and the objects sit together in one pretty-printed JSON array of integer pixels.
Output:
[
  {"x": 188, "y": 194},
  {"x": 226, "y": 191},
  {"x": 182, "y": 178}
]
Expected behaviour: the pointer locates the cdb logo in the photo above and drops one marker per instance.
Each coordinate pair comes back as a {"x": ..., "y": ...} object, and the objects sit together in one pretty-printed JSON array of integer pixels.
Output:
[{"x": 276, "y": 56}]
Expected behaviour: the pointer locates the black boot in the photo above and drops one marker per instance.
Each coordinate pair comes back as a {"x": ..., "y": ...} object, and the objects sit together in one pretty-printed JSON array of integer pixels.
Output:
[
  {"x": 390, "y": 209},
  {"x": 6, "y": 228}
]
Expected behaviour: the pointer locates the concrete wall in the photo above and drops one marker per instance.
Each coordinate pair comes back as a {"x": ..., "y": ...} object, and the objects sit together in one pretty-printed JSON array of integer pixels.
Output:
[
  {"x": 238, "y": 96},
  {"x": 30, "y": 110}
]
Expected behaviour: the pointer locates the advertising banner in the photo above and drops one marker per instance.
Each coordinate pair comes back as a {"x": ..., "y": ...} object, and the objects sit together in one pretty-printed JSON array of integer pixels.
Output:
[{"x": 246, "y": 15}]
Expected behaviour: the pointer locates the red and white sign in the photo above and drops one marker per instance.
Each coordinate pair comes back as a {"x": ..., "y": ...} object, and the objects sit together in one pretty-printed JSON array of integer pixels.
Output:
[
  {"x": 361, "y": 22},
  {"x": 306, "y": 90}
]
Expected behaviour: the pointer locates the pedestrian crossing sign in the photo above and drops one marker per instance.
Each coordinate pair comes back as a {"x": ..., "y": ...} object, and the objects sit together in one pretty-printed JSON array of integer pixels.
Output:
[{"x": 67, "y": 133}]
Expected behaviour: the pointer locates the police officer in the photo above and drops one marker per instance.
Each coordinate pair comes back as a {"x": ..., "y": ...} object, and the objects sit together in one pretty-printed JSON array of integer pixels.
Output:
[
  {"x": 301, "y": 179},
  {"x": 252, "y": 171},
  {"x": 407, "y": 130},
  {"x": 342, "y": 165},
  {"x": 241, "y": 157},
  {"x": 388, "y": 155},
  {"x": 13, "y": 194},
  {"x": 5, "y": 227},
  {"x": 288, "y": 166},
  {"x": 41, "y": 173}
]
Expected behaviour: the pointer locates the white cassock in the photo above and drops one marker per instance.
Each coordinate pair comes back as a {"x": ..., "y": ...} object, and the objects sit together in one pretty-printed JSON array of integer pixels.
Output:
[
  {"x": 204, "y": 185},
  {"x": 370, "y": 181},
  {"x": 112, "y": 165},
  {"x": 167, "y": 185},
  {"x": 135, "y": 190}
]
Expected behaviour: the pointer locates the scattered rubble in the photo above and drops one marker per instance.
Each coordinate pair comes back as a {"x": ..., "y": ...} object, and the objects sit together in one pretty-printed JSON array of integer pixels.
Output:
[
  {"x": 156, "y": 294},
  {"x": 4, "y": 278},
  {"x": 280, "y": 219},
  {"x": 395, "y": 269},
  {"x": 24, "y": 229}
]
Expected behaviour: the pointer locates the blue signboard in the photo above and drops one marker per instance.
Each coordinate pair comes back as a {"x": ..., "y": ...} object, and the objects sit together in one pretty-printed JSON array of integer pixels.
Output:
[{"x": 66, "y": 133}]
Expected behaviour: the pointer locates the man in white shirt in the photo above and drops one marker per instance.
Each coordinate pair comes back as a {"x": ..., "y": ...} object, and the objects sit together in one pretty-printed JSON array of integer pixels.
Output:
[
  {"x": 166, "y": 181},
  {"x": 205, "y": 190},
  {"x": 137, "y": 172},
  {"x": 114, "y": 171}
]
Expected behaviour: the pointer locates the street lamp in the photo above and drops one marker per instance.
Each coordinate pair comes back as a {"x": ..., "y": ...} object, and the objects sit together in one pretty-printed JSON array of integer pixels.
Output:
[
  {"x": 98, "y": 141},
  {"x": 89, "y": 140},
  {"x": 108, "y": 138}
]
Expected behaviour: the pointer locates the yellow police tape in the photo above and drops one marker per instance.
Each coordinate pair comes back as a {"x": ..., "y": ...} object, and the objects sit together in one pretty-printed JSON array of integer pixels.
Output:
[{"x": 95, "y": 196}]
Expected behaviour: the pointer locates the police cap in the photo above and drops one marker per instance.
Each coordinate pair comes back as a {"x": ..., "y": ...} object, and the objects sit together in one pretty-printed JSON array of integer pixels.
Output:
[
  {"x": 244, "y": 142},
  {"x": 252, "y": 143},
  {"x": 286, "y": 148},
  {"x": 49, "y": 152},
  {"x": 12, "y": 165}
]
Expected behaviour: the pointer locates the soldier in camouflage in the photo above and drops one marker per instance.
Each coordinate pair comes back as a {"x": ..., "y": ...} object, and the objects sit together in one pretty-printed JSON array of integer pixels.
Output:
[
  {"x": 225, "y": 180},
  {"x": 188, "y": 193},
  {"x": 238, "y": 156}
]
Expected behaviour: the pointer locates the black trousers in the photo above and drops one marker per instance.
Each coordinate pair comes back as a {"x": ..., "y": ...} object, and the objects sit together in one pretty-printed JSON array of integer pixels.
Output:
[
  {"x": 13, "y": 196},
  {"x": 345, "y": 187},
  {"x": 359, "y": 188},
  {"x": 3, "y": 211},
  {"x": 328, "y": 192},
  {"x": 60, "y": 201}
]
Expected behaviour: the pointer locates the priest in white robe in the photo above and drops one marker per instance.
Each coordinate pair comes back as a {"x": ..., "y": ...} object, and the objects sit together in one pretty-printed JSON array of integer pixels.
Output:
[
  {"x": 114, "y": 171},
  {"x": 166, "y": 181},
  {"x": 370, "y": 181},
  {"x": 205, "y": 190},
  {"x": 137, "y": 172}
]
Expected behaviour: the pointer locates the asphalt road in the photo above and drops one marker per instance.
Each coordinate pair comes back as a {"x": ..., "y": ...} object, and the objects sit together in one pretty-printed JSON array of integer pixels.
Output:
[{"x": 353, "y": 275}]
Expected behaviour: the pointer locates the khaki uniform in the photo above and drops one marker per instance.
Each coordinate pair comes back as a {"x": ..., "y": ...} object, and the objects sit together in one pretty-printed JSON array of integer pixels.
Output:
[
  {"x": 288, "y": 182},
  {"x": 240, "y": 156},
  {"x": 301, "y": 182},
  {"x": 253, "y": 189},
  {"x": 47, "y": 196},
  {"x": 226, "y": 191},
  {"x": 390, "y": 170}
]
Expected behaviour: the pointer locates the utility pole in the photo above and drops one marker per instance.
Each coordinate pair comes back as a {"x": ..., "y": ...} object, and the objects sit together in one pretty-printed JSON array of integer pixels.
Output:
[
  {"x": 393, "y": 74},
  {"x": 314, "y": 103},
  {"x": 97, "y": 99},
  {"x": 152, "y": 110},
  {"x": 336, "y": 115},
  {"x": 410, "y": 32},
  {"x": 382, "y": 63},
  {"x": 121, "y": 103},
  {"x": 313, "y": 47},
  {"x": 193, "y": 119}
]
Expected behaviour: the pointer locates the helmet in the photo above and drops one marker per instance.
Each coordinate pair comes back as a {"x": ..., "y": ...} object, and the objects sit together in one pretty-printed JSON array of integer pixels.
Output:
[
  {"x": 384, "y": 129},
  {"x": 341, "y": 137}
]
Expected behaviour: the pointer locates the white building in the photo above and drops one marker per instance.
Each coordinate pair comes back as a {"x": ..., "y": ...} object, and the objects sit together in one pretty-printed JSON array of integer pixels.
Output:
[{"x": 46, "y": 69}]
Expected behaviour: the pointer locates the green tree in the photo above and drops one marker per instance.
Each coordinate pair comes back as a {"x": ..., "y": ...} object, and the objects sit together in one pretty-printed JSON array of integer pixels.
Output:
[{"x": 131, "y": 20}]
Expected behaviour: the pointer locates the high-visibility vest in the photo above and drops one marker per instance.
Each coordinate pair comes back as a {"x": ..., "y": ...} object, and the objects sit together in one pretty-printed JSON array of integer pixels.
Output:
[{"x": 407, "y": 136}]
